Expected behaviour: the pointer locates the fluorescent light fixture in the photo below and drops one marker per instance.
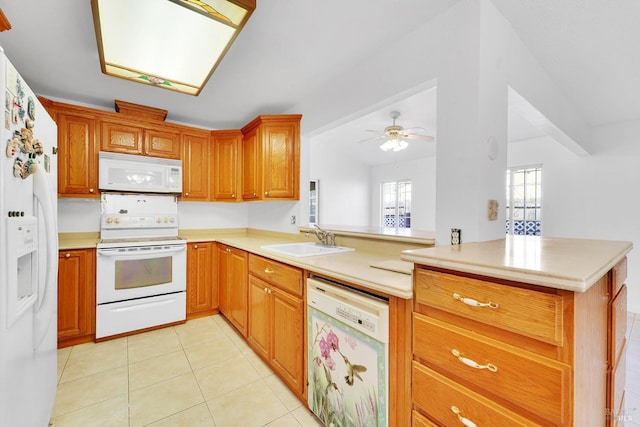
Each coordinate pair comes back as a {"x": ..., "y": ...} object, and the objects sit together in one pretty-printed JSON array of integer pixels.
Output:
[{"x": 173, "y": 44}]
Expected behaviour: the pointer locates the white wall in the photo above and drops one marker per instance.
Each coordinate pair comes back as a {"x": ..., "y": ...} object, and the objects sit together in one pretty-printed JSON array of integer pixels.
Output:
[
  {"x": 83, "y": 215},
  {"x": 344, "y": 187},
  {"x": 594, "y": 197},
  {"x": 422, "y": 173}
]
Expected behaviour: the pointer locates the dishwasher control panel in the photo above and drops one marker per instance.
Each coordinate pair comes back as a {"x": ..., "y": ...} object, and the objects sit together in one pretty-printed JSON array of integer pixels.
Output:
[{"x": 366, "y": 313}]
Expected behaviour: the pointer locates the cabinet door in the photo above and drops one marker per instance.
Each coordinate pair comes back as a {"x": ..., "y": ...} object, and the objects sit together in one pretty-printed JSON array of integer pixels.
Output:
[
  {"x": 287, "y": 341},
  {"x": 158, "y": 143},
  {"x": 281, "y": 161},
  {"x": 232, "y": 278},
  {"x": 77, "y": 157},
  {"x": 223, "y": 279},
  {"x": 238, "y": 290},
  {"x": 251, "y": 166},
  {"x": 121, "y": 138},
  {"x": 201, "y": 287},
  {"x": 260, "y": 318},
  {"x": 226, "y": 147},
  {"x": 76, "y": 294},
  {"x": 195, "y": 163}
]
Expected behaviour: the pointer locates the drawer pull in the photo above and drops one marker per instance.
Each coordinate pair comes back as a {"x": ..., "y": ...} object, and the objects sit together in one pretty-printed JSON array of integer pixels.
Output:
[
  {"x": 475, "y": 303},
  {"x": 466, "y": 421},
  {"x": 473, "y": 363},
  {"x": 268, "y": 270}
]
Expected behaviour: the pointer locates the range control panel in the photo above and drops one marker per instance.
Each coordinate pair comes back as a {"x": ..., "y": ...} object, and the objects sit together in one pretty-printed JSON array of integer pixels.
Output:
[{"x": 113, "y": 221}]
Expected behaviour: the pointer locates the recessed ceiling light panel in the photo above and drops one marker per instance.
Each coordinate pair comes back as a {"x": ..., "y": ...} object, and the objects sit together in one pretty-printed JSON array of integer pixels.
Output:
[{"x": 174, "y": 44}]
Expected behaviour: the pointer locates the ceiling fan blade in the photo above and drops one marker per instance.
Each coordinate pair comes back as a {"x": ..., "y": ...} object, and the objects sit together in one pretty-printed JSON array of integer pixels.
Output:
[
  {"x": 425, "y": 138},
  {"x": 373, "y": 139},
  {"x": 416, "y": 129},
  {"x": 374, "y": 131}
]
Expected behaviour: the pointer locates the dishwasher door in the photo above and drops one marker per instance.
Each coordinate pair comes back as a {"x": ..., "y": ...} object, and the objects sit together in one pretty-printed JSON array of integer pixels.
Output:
[{"x": 348, "y": 334}]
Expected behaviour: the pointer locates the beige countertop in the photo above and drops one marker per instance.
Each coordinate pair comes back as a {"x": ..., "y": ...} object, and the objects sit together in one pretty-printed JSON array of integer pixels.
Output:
[
  {"x": 406, "y": 235},
  {"x": 353, "y": 267},
  {"x": 569, "y": 264}
]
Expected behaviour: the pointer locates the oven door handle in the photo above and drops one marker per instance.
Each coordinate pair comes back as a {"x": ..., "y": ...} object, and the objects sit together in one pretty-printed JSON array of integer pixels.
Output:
[{"x": 113, "y": 253}]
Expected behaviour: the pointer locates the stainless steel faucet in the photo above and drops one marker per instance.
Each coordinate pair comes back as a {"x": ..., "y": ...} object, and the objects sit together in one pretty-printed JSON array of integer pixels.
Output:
[{"x": 327, "y": 238}]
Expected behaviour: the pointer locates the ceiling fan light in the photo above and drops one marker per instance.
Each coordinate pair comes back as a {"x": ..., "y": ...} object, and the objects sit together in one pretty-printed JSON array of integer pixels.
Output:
[
  {"x": 395, "y": 144},
  {"x": 388, "y": 145},
  {"x": 401, "y": 145}
]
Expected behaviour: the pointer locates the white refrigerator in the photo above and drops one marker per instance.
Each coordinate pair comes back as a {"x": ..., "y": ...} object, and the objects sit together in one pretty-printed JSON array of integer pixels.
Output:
[{"x": 28, "y": 255}]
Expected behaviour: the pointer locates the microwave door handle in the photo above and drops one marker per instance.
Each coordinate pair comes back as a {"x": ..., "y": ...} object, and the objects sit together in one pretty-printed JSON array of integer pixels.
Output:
[{"x": 140, "y": 254}]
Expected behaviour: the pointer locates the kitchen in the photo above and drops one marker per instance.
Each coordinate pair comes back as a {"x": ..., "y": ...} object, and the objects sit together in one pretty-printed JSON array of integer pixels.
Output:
[{"x": 335, "y": 101}]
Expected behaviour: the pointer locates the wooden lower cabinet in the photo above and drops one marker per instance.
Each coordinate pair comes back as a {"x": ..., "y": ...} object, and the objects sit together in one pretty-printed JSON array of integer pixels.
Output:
[
  {"x": 76, "y": 296},
  {"x": 233, "y": 286},
  {"x": 276, "y": 319},
  {"x": 501, "y": 353},
  {"x": 202, "y": 286}
]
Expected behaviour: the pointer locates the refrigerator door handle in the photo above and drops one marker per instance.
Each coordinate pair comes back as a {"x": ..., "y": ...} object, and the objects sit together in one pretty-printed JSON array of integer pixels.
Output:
[{"x": 42, "y": 193}]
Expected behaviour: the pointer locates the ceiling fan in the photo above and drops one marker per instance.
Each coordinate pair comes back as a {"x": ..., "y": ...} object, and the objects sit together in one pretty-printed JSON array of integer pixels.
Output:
[{"x": 396, "y": 135}]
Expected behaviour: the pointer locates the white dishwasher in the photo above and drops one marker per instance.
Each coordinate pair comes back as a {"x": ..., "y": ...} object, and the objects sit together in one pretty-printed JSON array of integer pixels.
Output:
[{"x": 348, "y": 349}]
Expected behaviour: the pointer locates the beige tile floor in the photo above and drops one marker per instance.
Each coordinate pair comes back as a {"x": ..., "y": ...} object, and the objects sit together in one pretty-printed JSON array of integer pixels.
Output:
[{"x": 201, "y": 373}]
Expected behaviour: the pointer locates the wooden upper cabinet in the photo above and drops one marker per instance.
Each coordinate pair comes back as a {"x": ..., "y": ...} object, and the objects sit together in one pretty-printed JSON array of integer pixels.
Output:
[
  {"x": 281, "y": 160},
  {"x": 120, "y": 138},
  {"x": 251, "y": 167},
  {"x": 129, "y": 138},
  {"x": 77, "y": 157},
  {"x": 158, "y": 143},
  {"x": 195, "y": 166},
  {"x": 271, "y": 158},
  {"x": 226, "y": 148}
]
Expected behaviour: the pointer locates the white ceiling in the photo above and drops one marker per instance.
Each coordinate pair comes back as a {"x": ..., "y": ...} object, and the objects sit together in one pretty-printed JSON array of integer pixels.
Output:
[{"x": 290, "y": 48}]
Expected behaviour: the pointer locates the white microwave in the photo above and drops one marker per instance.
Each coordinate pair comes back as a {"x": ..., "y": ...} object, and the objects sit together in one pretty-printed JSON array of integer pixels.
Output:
[{"x": 139, "y": 174}]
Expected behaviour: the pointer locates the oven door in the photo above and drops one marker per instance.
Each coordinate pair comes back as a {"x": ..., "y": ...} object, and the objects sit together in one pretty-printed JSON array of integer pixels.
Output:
[{"x": 140, "y": 271}]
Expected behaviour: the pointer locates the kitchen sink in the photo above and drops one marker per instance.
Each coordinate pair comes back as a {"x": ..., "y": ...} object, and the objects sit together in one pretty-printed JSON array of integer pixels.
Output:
[{"x": 304, "y": 249}]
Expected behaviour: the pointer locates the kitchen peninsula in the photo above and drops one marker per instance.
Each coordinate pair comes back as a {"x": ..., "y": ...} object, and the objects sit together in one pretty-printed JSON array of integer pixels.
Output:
[
  {"x": 519, "y": 331},
  {"x": 544, "y": 317}
]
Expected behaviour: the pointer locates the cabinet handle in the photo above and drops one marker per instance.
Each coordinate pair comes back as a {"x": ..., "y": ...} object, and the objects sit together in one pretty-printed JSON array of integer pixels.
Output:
[
  {"x": 67, "y": 255},
  {"x": 268, "y": 270},
  {"x": 195, "y": 246},
  {"x": 254, "y": 194},
  {"x": 465, "y": 421},
  {"x": 228, "y": 250},
  {"x": 475, "y": 303},
  {"x": 266, "y": 193},
  {"x": 473, "y": 363},
  {"x": 233, "y": 196},
  {"x": 186, "y": 194},
  {"x": 91, "y": 190}
]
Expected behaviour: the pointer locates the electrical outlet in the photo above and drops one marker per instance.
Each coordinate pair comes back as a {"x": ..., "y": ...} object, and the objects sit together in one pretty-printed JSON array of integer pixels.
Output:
[
  {"x": 293, "y": 219},
  {"x": 456, "y": 236}
]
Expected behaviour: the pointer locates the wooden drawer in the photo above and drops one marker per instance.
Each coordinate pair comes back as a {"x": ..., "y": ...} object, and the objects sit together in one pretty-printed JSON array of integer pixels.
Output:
[
  {"x": 452, "y": 404},
  {"x": 281, "y": 275},
  {"x": 618, "y": 326},
  {"x": 531, "y": 381},
  {"x": 619, "y": 275},
  {"x": 527, "y": 312},
  {"x": 418, "y": 420}
]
